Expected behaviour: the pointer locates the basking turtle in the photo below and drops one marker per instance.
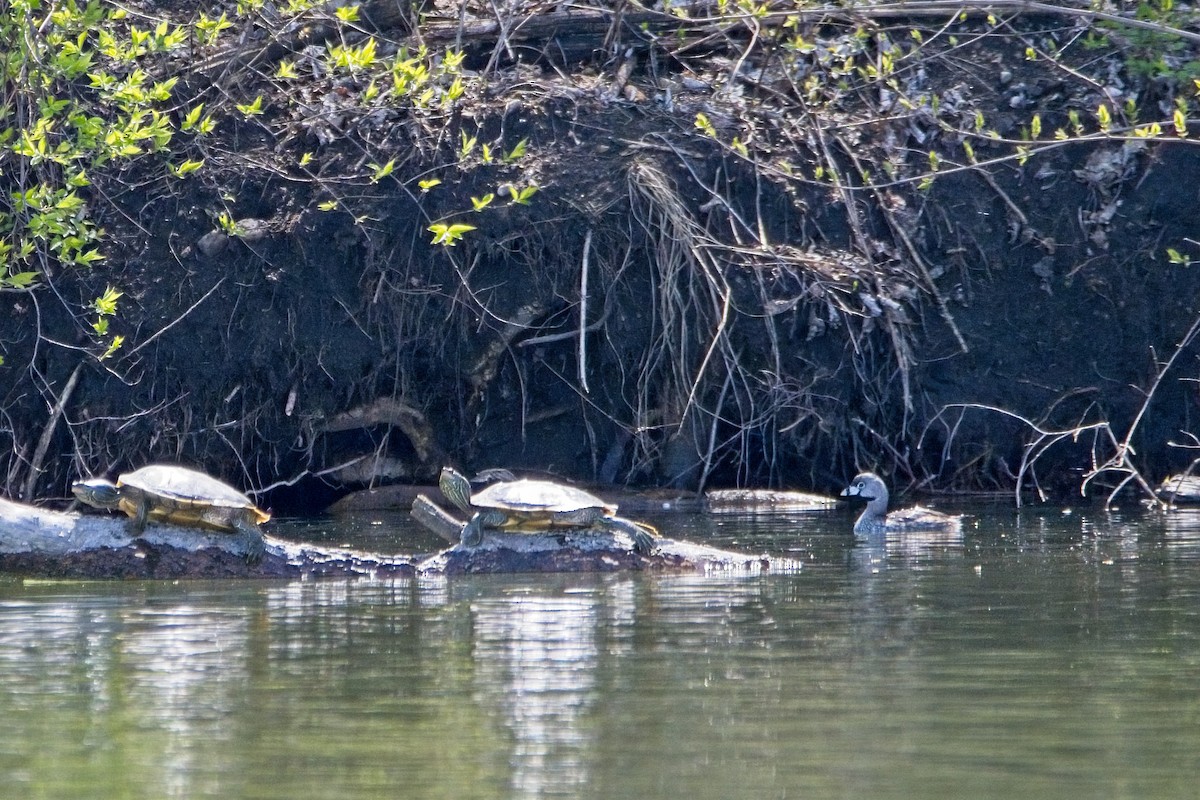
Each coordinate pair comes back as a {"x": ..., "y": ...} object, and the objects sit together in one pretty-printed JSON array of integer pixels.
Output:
[
  {"x": 534, "y": 506},
  {"x": 181, "y": 496}
]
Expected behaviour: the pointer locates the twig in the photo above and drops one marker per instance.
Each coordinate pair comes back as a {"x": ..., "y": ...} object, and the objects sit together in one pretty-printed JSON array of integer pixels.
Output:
[
  {"x": 549, "y": 338},
  {"x": 1120, "y": 461},
  {"x": 583, "y": 304},
  {"x": 292, "y": 481},
  {"x": 177, "y": 320},
  {"x": 1045, "y": 439},
  {"x": 712, "y": 433},
  {"x": 60, "y": 404}
]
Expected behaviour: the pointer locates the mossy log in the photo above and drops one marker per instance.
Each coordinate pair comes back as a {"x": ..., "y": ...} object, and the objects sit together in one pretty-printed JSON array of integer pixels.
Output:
[{"x": 36, "y": 542}]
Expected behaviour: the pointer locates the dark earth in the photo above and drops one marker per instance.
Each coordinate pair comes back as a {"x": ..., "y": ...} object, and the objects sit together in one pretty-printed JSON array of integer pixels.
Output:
[{"x": 749, "y": 320}]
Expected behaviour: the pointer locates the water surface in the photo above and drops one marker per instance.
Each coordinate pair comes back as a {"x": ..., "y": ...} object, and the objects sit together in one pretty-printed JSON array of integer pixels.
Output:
[{"x": 1043, "y": 655}]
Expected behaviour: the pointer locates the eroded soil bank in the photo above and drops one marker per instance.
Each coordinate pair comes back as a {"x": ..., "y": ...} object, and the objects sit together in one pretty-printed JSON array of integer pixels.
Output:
[{"x": 712, "y": 247}]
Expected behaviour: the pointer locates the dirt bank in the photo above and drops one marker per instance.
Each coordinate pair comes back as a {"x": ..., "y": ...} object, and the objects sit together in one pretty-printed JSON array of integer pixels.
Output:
[{"x": 741, "y": 249}]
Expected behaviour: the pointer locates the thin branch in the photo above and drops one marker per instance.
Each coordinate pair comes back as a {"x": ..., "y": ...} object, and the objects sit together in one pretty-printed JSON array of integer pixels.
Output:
[
  {"x": 583, "y": 304},
  {"x": 56, "y": 412},
  {"x": 1120, "y": 462},
  {"x": 177, "y": 320}
]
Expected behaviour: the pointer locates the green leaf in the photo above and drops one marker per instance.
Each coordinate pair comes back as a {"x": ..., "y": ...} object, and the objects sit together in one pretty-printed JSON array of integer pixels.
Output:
[
  {"x": 453, "y": 92},
  {"x": 21, "y": 280},
  {"x": 106, "y": 304},
  {"x": 1178, "y": 258},
  {"x": 251, "y": 109},
  {"x": 113, "y": 346},
  {"x": 452, "y": 60},
  {"x": 382, "y": 172},
  {"x": 186, "y": 168},
  {"x": 210, "y": 29},
  {"x": 192, "y": 118},
  {"x": 481, "y": 203},
  {"x": 88, "y": 257},
  {"x": 428, "y": 183},
  {"x": 522, "y": 196},
  {"x": 468, "y": 145},
  {"x": 448, "y": 235},
  {"x": 518, "y": 151}
]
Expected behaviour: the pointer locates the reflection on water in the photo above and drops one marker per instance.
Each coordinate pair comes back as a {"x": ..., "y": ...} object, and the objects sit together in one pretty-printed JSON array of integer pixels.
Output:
[
  {"x": 187, "y": 666},
  {"x": 168, "y": 677},
  {"x": 1043, "y": 654},
  {"x": 535, "y": 663}
]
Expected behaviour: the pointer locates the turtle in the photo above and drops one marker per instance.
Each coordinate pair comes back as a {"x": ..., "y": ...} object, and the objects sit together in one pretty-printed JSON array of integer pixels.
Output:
[
  {"x": 181, "y": 496},
  {"x": 535, "y": 506}
]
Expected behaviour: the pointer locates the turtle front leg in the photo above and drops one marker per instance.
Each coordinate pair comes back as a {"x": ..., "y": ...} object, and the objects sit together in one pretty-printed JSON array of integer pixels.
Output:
[
  {"x": 643, "y": 535},
  {"x": 256, "y": 545},
  {"x": 137, "y": 522},
  {"x": 472, "y": 532}
]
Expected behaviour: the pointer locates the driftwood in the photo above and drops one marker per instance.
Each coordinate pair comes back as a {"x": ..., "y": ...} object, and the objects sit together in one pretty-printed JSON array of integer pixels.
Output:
[
  {"x": 572, "y": 550},
  {"x": 36, "y": 542},
  {"x": 764, "y": 501},
  {"x": 1180, "y": 489},
  {"x": 42, "y": 543},
  {"x": 395, "y": 414}
]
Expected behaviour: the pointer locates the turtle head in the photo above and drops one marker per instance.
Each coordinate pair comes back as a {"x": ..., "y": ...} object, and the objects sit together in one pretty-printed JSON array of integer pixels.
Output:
[
  {"x": 456, "y": 487},
  {"x": 97, "y": 492}
]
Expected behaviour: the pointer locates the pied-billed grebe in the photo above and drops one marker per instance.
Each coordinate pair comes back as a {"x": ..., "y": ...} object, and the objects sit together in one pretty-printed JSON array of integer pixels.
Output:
[{"x": 876, "y": 519}]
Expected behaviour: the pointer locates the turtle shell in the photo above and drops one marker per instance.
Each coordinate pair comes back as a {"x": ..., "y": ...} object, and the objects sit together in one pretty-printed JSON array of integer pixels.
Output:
[
  {"x": 187, "y": 497},
  {"x": 538, "y": 498}
]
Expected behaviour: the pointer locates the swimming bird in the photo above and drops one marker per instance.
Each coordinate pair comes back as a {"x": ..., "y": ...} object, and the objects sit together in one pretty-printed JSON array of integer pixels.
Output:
[{"x": 875, "y": 518}]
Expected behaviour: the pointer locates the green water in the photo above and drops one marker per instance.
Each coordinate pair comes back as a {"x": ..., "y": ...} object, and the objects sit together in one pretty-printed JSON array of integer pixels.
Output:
[{"x": 1045, "y": 655}]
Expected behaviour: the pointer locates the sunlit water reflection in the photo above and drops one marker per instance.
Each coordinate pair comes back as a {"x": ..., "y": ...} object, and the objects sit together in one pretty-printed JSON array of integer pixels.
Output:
[{"x": 1041, "y": 654}]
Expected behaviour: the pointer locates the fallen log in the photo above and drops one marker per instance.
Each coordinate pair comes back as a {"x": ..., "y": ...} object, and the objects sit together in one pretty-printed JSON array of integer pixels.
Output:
[
  {"x": 764, "y": 501},
  {"x": 37, "y": 542},
  {"x": 595, "y": 549}
]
